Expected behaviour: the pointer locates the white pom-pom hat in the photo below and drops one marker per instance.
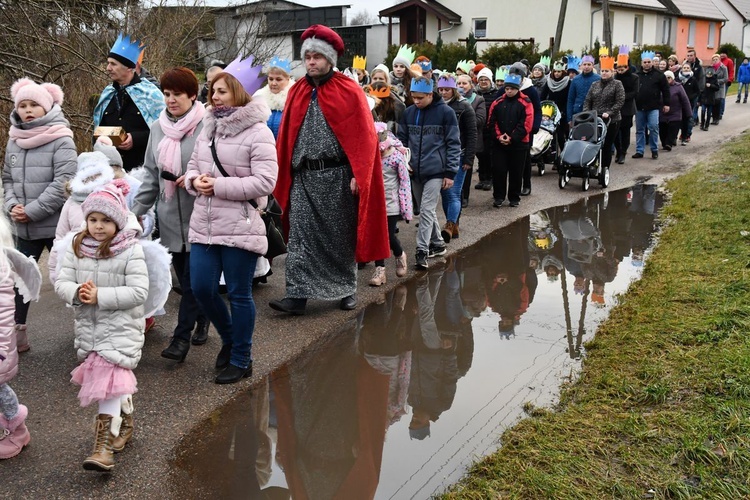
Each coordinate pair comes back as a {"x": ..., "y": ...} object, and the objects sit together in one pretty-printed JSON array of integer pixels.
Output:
[{"x": 46, "y": 94}]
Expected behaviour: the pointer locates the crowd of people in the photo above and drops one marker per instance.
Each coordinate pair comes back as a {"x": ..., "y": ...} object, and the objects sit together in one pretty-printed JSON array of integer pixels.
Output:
[{"x": 345, "y": 154}]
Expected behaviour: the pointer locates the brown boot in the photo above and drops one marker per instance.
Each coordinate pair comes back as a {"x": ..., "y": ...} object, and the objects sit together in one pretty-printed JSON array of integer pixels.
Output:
[
  {"x": 106, "y": 427},
  {"x": 455, "y": 231},
  {"x": 447, "y": 232},
  {"x": 126, "y": 428}
]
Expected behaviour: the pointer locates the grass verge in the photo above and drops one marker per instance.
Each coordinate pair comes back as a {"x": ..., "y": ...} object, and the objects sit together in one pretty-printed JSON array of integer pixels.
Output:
[{"x": 662, "y": 408}]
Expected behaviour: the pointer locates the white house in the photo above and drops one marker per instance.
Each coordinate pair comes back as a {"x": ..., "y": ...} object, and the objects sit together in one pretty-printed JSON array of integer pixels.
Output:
[
  {"x": 633, "y": 23},
  {"x": 741, "y": 35}
]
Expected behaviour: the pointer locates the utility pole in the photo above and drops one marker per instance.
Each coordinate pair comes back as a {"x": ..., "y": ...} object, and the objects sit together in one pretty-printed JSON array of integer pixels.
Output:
[
  {"x": 607, "y": 35},
  {"x": 560, "y": 26}
]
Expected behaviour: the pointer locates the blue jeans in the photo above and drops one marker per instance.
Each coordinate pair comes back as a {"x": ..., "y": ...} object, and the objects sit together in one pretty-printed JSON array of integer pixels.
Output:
[
  {"x": 739, "y": 91},
  {"x": 206, "y": 265},
  {"x": 645, "y": 119},
  {"x": 452, "y": 196}
]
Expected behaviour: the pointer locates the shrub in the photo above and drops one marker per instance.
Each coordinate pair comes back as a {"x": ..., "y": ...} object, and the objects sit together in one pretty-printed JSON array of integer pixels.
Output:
[{"x": 501, "y": 54}]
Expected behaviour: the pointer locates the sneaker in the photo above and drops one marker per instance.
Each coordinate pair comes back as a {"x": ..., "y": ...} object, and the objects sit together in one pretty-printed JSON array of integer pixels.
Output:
[
  {"x": 479, "y": 185},
  {"x": 637, "y": 155},
  {"x": 487, "y": 186},
  {"x": 683, "y": 142},
  {"x": 667, "y": 147},
  {"x": 655, "y": 155},
  {"x": 420, "y": 261},
  {"x": 497, "y": 203},
  {"x": 437, "y": 250},
  {"x": 378, "y": 277},
  {"x": 401, "y": 265},
  {"x": 513, "y": 204}
]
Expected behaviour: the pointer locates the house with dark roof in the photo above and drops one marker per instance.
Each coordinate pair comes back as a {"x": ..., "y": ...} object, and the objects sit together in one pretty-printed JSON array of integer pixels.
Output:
[{"x": 737, "y": 28}]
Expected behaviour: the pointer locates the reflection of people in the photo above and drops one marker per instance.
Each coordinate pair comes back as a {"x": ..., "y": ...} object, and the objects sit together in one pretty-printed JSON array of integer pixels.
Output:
[{"x": 641, "y": 227}]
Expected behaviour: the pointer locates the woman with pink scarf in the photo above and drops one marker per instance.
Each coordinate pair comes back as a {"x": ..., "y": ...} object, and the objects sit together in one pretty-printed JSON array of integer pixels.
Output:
[
  {"x": 40, "y": 158},
  {"x": 169, "y": 149}
]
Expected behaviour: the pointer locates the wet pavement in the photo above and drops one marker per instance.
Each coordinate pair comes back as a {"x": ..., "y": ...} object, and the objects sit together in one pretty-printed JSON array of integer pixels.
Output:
[{"x": 422, "y": 382}]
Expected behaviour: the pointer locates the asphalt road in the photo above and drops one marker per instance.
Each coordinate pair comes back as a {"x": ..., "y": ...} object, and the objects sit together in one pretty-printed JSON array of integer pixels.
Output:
[{"x": 174, "y": 398}]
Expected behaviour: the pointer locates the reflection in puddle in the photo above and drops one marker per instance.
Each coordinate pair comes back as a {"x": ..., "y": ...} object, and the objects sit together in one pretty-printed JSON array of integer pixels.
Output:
[{"x": 426, "y": 379}]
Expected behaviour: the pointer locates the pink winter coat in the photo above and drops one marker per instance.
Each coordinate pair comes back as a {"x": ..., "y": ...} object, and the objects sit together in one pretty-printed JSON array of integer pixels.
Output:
[
  {"x": 247, "y": 151},
  {"x": 9, "y": 365}
]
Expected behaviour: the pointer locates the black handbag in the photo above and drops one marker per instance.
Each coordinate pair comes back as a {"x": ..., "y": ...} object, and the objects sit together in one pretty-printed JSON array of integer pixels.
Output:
[{"x": 271, "y": 216}]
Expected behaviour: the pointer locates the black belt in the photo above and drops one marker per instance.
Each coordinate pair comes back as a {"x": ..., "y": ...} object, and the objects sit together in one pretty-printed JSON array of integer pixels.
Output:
[{"x": 322, "y": 164}]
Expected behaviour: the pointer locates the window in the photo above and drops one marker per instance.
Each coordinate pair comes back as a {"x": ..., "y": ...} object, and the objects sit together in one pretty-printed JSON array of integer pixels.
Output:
[
  {"x": 480, "y": 27},
  {"x": 711, "y": 35},
  {"x": 691, "y": 34},
  {"x": 637, "y": 30},
  {"x": 666, "y": 30}
]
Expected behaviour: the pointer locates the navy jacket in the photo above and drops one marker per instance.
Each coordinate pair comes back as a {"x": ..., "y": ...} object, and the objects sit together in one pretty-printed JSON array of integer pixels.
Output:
[
  {"x": 432, "y": 136},
  {"x": 579, "y": 88}
]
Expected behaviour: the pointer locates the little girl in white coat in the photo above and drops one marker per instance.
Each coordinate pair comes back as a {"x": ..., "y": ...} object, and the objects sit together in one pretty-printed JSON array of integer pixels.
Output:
[{"x": 105, "y": 278}]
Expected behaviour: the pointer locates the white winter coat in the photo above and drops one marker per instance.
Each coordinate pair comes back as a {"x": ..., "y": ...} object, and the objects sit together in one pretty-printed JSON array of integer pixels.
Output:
[{"x": 114, "y": 327}]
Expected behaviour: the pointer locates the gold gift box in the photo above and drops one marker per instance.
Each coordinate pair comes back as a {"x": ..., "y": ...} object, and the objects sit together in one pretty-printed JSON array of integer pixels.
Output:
[{"x": 117, "y": 134}]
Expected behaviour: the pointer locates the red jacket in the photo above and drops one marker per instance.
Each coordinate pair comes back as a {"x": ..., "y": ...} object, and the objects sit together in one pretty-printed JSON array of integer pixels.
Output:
[
  {"x": 513, "y": 116},
  {"x": 726, "y": 61}
]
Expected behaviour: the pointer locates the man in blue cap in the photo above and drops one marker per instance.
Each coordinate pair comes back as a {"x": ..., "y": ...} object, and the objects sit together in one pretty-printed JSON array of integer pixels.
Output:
[
  {"x": 129, "y": 101},
  {"x": 429, "y": 128}
]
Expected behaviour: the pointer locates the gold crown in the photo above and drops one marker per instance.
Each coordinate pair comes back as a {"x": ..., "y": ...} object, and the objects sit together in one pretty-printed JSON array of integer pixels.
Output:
[
  {"x": 381, "y": 92},
  {"x": 359, "y": 63},
  {"x": 603, "y": 51},
  {"x": 548, "y": 110}
]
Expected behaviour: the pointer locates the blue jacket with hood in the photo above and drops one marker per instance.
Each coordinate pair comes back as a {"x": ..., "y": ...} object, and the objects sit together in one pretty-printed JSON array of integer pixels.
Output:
[{"x": 433, "y": 137}]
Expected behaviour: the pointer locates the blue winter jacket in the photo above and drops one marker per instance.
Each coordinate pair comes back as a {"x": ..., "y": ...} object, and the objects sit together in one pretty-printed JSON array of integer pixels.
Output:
[
  {"x": 433, "y": 137},
  {"x": 274, "y": 122},
  {"x": 579, "y": 87},
  {"x": 743, "y": 75}
]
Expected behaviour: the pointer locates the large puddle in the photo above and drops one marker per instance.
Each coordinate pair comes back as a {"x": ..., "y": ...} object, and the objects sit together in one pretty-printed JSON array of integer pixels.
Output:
[{"x": 423, "y": 383}]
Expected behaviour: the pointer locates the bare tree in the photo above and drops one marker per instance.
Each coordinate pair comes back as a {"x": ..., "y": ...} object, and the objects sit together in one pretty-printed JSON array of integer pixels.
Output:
[{"x": 362, "y": 17}]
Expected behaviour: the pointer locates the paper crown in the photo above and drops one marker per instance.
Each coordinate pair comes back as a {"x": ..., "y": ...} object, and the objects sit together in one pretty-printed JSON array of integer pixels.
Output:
[
  {"x": 381, "y": 92},
  {"x": 421, "y": 84},
  {"x": 404, "y": 56},
  {"x": 501, "y": 73},
  {"x": 622, "y": 55},
  {"x": 247, "y": 74},
  {"x": 606, "y": 63},
  {"x": 548, "y": 110},
  {"x": 416, "y": 70},
  {"x": 603, "y": 51},
  {"x": 574, "y": 63},
  {"x": 647, "y": 54},
  {"x": 424, "y": 63},
  {"x": 359, "y": 63},
  {"x": 127, "y": 48},
  {"x": 545, "y": 60},
  {"x": 284, "y": 65},
  {"x": 464, "y": 66},
  {"x": 558, "y": 66},
  {"x": 513, "y": 80},
  {"x": 587, "y": 58},
  {"x": 446, "y": 81}
]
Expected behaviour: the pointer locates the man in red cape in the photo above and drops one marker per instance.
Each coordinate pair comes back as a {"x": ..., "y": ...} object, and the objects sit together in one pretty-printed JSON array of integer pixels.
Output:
[{"x": 346, "y": 114}]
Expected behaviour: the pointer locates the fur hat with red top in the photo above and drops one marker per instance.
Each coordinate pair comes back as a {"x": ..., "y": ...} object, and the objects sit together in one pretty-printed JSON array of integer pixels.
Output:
[
  {"x": 46, "y": 94},
  {"x": 322, "y": 40},
  {"x": 110, "y": 201}
]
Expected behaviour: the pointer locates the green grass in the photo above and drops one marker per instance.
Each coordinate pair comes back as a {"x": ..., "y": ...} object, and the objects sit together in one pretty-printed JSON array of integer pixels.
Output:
[{"x": 662, "y": 407}]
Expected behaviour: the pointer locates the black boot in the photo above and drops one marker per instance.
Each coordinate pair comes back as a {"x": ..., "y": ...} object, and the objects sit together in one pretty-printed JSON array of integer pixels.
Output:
[
  {"x": 232, "y": 374},
  {"x": 349, "y": 303},
  {"x": 200, "y": 334},
  {"x": 295, "y": 307},
  {"x": 222, "y": 360},
  {"x": 177, "y": 350}
]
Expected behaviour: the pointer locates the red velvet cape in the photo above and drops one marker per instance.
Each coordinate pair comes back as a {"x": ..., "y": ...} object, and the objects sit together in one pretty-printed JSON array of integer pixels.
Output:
[{"x": 345, "y": 109}]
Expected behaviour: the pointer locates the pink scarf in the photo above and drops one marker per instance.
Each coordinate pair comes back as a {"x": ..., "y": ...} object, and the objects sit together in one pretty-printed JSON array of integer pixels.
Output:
[
  {"x": 38, "y": 136},
  {"x": 716, "y": 66},
  {"x": 170, "y": 154},
  {"x": 121, "y": 242}
]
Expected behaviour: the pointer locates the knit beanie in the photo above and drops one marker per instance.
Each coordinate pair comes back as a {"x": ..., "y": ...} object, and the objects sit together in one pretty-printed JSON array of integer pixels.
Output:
[
  {"x": 519, "y": 68},
  {"x": 384, "y": 69},
  {"x": 46, "y": 94},
  {"x": 110, "y": 201},
  {"x": 105, "y": 146},
  {"x": 93, "y": 172},
  {"x": 485, "y": 72}
]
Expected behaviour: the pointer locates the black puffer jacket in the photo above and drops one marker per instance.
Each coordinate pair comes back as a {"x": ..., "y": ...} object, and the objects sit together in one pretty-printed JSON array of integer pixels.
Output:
[
  {"x": 629, "y": 82},
  {"x": 467, "y": 127},
  {"x": 653, "y": 90}
]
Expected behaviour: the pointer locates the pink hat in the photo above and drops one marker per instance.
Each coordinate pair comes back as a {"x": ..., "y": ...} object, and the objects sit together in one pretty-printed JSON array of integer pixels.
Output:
[
  {"x": 110, "y": 201},
  {"x": 46, "y": 94}
]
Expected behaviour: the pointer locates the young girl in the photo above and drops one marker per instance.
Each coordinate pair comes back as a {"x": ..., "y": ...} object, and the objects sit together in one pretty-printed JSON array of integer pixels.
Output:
[
  {"x": 13, "y": 265},
  {"x": 398, "y": 202},
  {"x": 105, "y": 278},
  {"x": 39, "y": 159}
]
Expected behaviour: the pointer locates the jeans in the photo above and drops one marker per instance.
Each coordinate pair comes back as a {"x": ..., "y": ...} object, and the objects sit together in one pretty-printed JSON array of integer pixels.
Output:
[
  {"x": 236, "y": 327},
  {"x": 33, "y": 248},
  {"x": 452, "y": 196},
  {"x": 428, "y": 232},
  {"x": 744, "y": 86},
  {"x": 644, "y": 119},
  {"x": 189, "y": 311}
]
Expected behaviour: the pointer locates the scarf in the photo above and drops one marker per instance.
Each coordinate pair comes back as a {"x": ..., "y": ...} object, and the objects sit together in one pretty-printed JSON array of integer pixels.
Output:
[
  {"x": 169, "y": 151},
  {"x": 558, "y": 85},
  {"x": 38, "y": 136},
  {"x": 122, "y": 241},
  {"x": 685, "y": 76},
  {"x": 716, "y": 66}
]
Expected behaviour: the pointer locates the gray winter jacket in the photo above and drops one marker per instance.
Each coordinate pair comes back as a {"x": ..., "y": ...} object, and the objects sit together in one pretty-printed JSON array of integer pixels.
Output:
[
  {"x": 36, "y": 177},
  {"x": 174, "y": 214},
  {"x": 114, "y": 327}
]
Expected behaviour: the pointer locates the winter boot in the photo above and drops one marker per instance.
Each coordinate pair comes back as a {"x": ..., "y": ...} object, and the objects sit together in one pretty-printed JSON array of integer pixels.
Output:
[
  {"x": 447, "y": 232},
  {"x": 22, "y": 339},
  {"x": 379, "y": 277},
  {"x": 106, "y": 429},
  {"x": 13, "y": 433},
  {"x": 126, "y": 428},
  {"x": 455, "y": 231}
]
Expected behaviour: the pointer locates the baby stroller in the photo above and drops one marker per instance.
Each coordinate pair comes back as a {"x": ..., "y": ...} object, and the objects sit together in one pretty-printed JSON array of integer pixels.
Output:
[
  {"x": 582, "y": 154},
  {"x": 544, "y": 139}
]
